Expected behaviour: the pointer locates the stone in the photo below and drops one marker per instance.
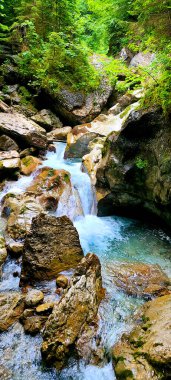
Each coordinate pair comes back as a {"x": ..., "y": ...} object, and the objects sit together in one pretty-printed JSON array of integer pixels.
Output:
[
  {"x": 29, "y": 164},
  {"x": 32, "y": 323},
  {"x": 45, "y": 308},
  {"x": 59, "y": 134},
  {"x": 3, "y": 253},
  {"x": 137, "y": 172},
  {"x": 49, "y": 185},
  {"x": 78, "y": 144},
  {"x": 75, "y": 312},
  {"x": 19, "y": 211},
  {"x": 9, "y": 161},
  {"x": 82, "y": 136},
  {"x": 142, "y": 59},
  {"x": 62, "y": 281},
  {"x": 47, "y": 119},
  {"x": 8, "y": 144},
  {"x": 11, "y": 308},
  {"x": 139, "y": 279},
  {"x": 92, "y": 161},
  {"x": 51, "y": 148},
  {"x": 34, "y": 297},
  {"x": 145, "y": 353},
  {"x": 52, "y": 246},
  {"x": 18, "y": 126},
  {"x": 27, "y": 152},
  {"x": 78, "y": 106},
  {"x": 15, "y": 248}
]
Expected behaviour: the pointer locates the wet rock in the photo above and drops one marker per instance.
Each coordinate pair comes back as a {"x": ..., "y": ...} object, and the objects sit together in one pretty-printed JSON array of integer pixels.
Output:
[
  {"x": 27, "y": 152},
  {"x": 8, "y": 144},
  {"x": 3, "y": 253},
  {"x": 74, "y": 314},
  {"x": 19, "y": 211},
  {"x": 52, "y": 246},
  {"x": 32, "y": 323},
  {"x": 15, "y": 248},
  {"x": 140, "y": 279},
  {"x": 51, "y": 148},
  {"x": 146, "y": 352},
  {"x": 62, "y": 281},
  {"x": 45, "y": 308},
  {"x": 34, "y": 297},
  {"x": 18, "y": 126},
  {"x": 29, "y": 164},
  {"x": 59, "y": 134},
  {"x": 9, "y": 161},
  {"x": 92, "y": 161},
  {"x": 47, "y": 119},
  {"x": 11, "y": 308},
  {"x": 49, "y": 185},
  {"x": 78, "y": 141}
]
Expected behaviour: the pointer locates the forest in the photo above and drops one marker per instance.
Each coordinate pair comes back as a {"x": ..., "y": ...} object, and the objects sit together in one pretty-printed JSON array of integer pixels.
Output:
[{"x": 55, "y": 41}]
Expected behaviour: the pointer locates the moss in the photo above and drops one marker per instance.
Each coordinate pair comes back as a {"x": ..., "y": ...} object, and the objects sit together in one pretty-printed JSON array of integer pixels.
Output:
[
  {"x": 106, "y": 148},
  {"x": 27, "y": 161},
  {"x": 66, "y": 178}
]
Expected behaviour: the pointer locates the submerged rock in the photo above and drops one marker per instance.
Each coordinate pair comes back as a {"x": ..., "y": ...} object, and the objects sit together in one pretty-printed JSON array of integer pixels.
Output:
[
  {"x": 52, "y": 246},
  {"x": 74, "y": 315},
  {"x": 139, "y": 279},
  {"x": 11, "y": 308},
  {"x": 47, "y": 119},
  {"x": 18, "y": 126},
  {"x": 146, "y": 352}
]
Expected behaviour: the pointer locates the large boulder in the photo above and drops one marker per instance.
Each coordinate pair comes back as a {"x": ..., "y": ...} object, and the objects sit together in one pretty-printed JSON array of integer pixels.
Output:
[
  {"x": 79, "y": 107},
  {"x": 11, "y": 308},
  {"x": 74, "y": 316},
  {"x": 139, "y": 279},
  {"x": 52, "y": 246},
  {"x": 24, "y": 130},
  {"x": 81, "y": 136},
  {"x": 47, "y": 119},
  {"x": 137, "y": 171},
  {"x": 145, "y": 353}
]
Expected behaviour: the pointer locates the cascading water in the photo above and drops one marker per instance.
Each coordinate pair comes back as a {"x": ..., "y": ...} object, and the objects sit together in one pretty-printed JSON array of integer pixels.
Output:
[{"x": 111, "y": 238}]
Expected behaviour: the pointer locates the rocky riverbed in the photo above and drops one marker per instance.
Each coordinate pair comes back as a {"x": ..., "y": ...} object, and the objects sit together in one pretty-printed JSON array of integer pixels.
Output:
[{"x": 72, "y": 283}]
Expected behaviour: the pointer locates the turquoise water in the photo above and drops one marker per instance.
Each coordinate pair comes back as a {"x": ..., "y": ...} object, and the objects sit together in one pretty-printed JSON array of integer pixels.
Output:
[{"x": 111, "y": 238}]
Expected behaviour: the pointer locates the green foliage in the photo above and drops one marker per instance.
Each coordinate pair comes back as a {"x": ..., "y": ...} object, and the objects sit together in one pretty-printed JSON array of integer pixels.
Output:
[{"x": 140, "y": 163}]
